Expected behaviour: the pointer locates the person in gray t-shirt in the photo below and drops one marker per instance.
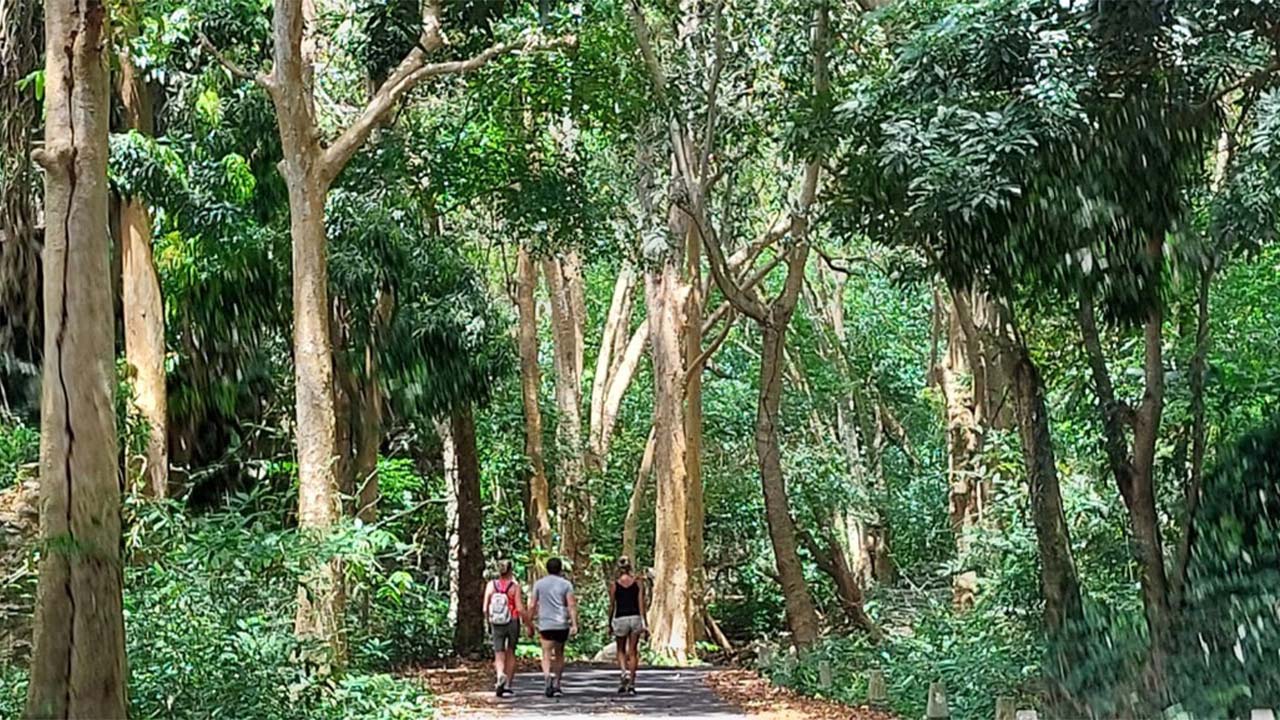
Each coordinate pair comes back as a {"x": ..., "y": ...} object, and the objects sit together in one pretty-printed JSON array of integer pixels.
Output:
[{"x": 554, "y": 610}]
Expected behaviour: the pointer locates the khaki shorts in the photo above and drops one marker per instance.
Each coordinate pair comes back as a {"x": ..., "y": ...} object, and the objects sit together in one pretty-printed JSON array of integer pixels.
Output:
[{"x": 628, "y": 626}]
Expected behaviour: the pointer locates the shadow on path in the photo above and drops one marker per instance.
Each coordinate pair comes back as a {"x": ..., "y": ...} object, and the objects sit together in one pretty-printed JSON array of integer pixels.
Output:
[{"x": 592, "y": 692}]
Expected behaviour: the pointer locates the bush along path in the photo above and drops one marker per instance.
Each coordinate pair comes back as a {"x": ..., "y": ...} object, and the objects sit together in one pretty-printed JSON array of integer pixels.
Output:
[{"x": 590, "y": 691}]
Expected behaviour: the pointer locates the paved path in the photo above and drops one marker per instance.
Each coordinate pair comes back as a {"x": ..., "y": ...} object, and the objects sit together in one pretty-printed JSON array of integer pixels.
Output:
[{"x": 592, "y": 692}]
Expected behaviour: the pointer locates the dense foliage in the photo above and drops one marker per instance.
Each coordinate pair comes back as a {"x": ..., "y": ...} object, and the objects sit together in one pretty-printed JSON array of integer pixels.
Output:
[{"x": 1099, "y": 180}]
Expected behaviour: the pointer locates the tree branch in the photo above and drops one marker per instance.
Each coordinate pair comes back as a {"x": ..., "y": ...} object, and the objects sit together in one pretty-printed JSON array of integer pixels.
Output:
[
  {"x": 230, "y": 66},
  {"x": 1113, "y": 412},
  {"x": 412, "y": 71},
  {"x": 644, "y": 40},
  {"x": 745, "y": 299}
]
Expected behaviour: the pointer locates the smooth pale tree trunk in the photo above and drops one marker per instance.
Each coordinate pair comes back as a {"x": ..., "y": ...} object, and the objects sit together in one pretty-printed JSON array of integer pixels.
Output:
[
  {"x": 966, "y": 494},
  {"x": 607, "y": 387},
  {"x": 466, "y": 543},
  {"x": 539, "y": 510},
  {"x": 566, "y": 342},
  {"x": 143, "y": 305},
  {"x": 673, "y": 611},
  {"x": 78, "y": 659},
  {"x": 635, "y": 506},
  {"x": 693, "y": 415}
]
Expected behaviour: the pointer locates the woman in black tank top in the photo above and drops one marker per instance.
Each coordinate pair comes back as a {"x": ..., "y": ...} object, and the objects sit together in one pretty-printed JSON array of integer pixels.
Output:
[{"x": 626, "y": 620}]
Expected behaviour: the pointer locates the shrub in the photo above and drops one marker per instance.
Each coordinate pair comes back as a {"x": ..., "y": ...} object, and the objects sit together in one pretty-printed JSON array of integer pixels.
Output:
[{"x": 209, "y": 605}]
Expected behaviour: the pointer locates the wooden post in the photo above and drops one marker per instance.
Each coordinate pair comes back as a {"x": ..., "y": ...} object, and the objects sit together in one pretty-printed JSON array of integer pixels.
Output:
[
  {"x": 1027, "y": 715},
  {"x": 1262, "y": 714},
  {"x": 824, "y": 674},
  {"x": 1006, "y": 709},
  {"x": 877, "y": 692},
  {"x": 936, "y": 709},
  {"x": 765, "y": 655}
]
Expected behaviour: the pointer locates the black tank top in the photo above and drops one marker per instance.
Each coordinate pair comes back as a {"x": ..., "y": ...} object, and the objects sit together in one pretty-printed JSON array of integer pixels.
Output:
[{"x": 626, "y": 600}]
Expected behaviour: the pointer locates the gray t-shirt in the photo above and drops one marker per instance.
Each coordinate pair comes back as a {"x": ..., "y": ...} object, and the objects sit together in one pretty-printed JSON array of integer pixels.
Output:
[{"x": 552, "y": 595}]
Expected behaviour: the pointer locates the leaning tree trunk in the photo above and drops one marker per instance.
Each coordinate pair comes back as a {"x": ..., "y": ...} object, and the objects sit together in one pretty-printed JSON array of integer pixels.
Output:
[
  {"x": 530, "y": 383},
  {"x": 78, "y": 660},
  {"x": 466, "y": 548},
  {"x": 631, "y": 523},
  {"x": 143, "y": 304},
  {"x": 802, "y": 617},
  {"x": 1058, "y": 579},
  {"x": 672, "y": 614}
]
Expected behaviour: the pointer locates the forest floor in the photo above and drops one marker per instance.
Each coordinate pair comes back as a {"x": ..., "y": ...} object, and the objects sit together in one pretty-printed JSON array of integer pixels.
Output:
[{"x": 465, "y": 692}]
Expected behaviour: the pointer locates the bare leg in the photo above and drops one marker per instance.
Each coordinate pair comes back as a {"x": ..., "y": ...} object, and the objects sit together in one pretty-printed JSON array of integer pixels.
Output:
[
  {"x": 499, "y": 665},
  {"x": 633, "y": 655},
  {"x": 559, "y": 663},
  {"x": 548, "y": 654},
  {"x": 622, "y": 654},
  {"x": 511, "y": 664}
]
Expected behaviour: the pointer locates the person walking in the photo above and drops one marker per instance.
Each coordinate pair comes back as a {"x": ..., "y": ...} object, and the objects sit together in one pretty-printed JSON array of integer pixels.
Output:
[
  {"x": 504, "y": 605},
  {"x": 554, "y": 608},
  {"x": 626, "y": 621}
]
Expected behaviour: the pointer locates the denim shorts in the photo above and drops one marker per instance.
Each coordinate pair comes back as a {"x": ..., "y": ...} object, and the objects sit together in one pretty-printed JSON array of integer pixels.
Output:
[{"x": 628, "y": 626}]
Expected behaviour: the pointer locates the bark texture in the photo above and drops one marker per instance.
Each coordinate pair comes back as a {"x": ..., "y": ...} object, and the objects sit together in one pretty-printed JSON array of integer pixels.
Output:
[
  {"x": 563, "y": 276},
  {"x": 539, "y": 510},
  {"x": 143, "y": 305},
  {"x": 466, "y": 542},
  {"x": 78, "y": 661},
  {"x": 1058, "y": 579},
  {"x": 673, "y": 611},
  {"x": 20, "y": 334}
]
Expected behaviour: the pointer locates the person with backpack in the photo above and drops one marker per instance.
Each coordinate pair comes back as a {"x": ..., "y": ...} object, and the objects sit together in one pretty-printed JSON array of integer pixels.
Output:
[
  {"x": 555, "y": 610},
  {"x": 626, "y": 621},
  {"x": 504, "y": 606}
]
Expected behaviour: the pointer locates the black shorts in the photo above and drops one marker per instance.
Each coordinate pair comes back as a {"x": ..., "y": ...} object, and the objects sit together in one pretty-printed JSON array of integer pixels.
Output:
[{"x": 558, "y": 637}]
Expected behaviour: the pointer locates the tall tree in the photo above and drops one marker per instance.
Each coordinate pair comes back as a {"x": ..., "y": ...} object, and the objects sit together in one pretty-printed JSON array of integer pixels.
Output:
[
  {"x": 309, "y": 168},
  {"x": 539, "y": 504},
  {"x": 78, "y": 661},
  {"x": 143, "y": 305},
  {"x": 568, "y": 321},
  {"x": 464, "y": 517}
]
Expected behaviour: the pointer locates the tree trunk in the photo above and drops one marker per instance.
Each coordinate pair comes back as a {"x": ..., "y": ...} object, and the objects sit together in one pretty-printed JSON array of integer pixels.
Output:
[
  {"x": 1195, "y": 477},
  {"x": 78, "y": 659},
  {"x": 672, "y": 614},
  {"x": 802, "y": 618},
  {"x": 20, "y": 55},
  {"x": 1058, "y": 579},
  {"x": 959, "y": 381},
  {"x": 632, "y": 520},
  {"x": 693, "y": 416},
  {"x": 368, "y": 440},
  {"x": 321, "y": 598},
  {"x": 466, "y": 542},
  {"x": 566, "y": 336},
  {"x": 611, "y": 361},
  {"x": 143, "y": 305},
  {"x": 539, "y": 510},
  {"x": 1133, "y": 467}
]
